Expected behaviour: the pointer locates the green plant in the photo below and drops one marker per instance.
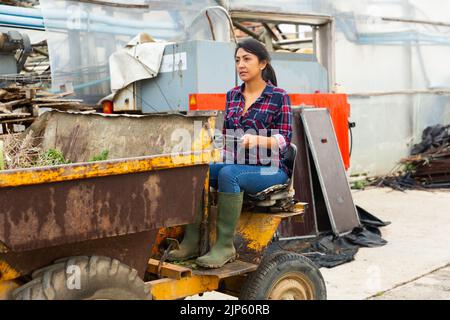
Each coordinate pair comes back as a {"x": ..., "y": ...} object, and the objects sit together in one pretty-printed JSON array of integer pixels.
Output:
[
  {"x": 409, "y": 167},
  {"x": 52, "y": 157},
  {"x": 360, "y": 184},
  {"x": 100, "y": 157}
]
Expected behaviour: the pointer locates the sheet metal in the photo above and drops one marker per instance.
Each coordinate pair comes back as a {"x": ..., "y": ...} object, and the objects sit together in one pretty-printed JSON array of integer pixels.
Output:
[
  {"x": 132, "y": 249},
  {"x": 51, "y": 214},
  {"x": 330, "y": 169}
]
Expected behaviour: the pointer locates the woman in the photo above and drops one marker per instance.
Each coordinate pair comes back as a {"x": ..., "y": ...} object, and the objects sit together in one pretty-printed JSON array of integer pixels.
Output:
[{"x": 263, "y": 113}]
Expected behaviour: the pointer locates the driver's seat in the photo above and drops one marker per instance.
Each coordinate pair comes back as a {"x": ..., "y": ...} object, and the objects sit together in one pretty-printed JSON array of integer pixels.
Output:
[{"x": 279, "y": 197}]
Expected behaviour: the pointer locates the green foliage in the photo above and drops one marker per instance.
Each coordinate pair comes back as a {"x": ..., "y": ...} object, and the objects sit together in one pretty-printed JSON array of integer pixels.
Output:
[
  {"x": 52, "y": 157},
  {"x": 360, "y": 184},
  {"x": 409, "y": 167},
  {"x": 101, "y": 157}
]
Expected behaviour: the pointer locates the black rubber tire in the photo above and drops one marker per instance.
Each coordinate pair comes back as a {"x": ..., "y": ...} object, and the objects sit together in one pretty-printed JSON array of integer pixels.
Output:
[
  {"x": 100, "y": 278},
  {"x": 273, "y": 267}
]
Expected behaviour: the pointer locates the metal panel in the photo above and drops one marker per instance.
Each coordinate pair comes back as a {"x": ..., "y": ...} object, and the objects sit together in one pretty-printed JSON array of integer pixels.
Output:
[
  {"x": 8, "y": 64},
  {"x": 330, "y": 168},
  {"x": 299, "y": 73},
  {"x": 132, "y": 249},
  {"x": 307, "y": 226},
  {"x": 52, "y": 214},
  {"x": 324, "y": 47},
  {"x": 207, "y": 67},
  {"x": 320, "y": 207}
]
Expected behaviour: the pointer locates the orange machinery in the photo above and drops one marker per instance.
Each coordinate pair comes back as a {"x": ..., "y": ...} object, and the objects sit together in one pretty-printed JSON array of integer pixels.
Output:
[{"x": 337, "y": 104}]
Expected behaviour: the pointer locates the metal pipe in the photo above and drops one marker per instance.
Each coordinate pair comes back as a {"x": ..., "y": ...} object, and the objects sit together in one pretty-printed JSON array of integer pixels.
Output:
[
  {"x": 62, "y": 25},
  {"x": 17, "y": 21},
  {"x": 246, "y": 30},
  {"x": 433, "y": 23},
  {"x": 117, "y": 5},
  {"x": 294, "y": 41},
  {"x": 224, "y": 11},
  {"x": 211, "y": 27},
  {"x": 21, "y": 21},
  {"x": 443, "y": 91},
  {"x": 255, "y": 35},
  {"x": 270, "y": 31},
  {"x": 60, "y": 14},
  {"x": 21, "y": 12}
]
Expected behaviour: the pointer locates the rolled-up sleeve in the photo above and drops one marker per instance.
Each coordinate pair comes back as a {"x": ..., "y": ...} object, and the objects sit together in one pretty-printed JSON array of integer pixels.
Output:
[{"x": 283, "y": 124}]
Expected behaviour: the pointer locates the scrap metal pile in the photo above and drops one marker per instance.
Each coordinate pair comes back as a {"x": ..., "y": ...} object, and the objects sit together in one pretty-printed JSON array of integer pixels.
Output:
[
  {"x": 20, "y": 3},
  {"x": 21, "y": 106},
  {"x": 429, "y": 163}
]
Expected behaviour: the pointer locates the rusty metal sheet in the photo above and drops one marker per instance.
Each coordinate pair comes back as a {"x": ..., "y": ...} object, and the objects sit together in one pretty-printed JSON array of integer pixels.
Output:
[
  {"x": 51, "y": 214},
  {"x": 132, "y": 249},
  {"x": 254, "y": 232},
  {"x": 39, "y": 175},
  {"x": 330, "y": 169}
]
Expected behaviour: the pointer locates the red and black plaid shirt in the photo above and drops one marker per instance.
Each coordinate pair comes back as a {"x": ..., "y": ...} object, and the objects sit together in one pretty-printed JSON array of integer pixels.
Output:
[{"x": 270, "y": 115}]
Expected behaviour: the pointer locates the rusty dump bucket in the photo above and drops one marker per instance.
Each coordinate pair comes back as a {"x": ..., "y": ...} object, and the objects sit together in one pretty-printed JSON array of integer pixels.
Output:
[{"x": 112, "y": 208}]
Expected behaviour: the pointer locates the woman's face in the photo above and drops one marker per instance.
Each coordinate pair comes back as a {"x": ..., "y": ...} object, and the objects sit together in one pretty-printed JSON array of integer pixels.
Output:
[{"x": 248, "y": 65}]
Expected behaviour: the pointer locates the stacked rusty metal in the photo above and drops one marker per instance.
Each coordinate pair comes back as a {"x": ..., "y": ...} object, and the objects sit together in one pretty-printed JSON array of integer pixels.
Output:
[
  {"x": 20, "y": 106},
  {"x": 20, "y": 3},
  {"x": 427, "y": 167},
  {"x": 432, "y": 167}
]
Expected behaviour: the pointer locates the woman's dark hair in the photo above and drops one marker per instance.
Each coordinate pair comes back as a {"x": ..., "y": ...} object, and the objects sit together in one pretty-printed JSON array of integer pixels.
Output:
[{"x": 258, "y": 49}]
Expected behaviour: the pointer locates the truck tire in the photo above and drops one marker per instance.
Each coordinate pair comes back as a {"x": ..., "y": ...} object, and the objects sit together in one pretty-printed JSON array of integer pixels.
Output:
[
  {"x": 285, "y": 276},
  {"x": 84, "y": 278}
]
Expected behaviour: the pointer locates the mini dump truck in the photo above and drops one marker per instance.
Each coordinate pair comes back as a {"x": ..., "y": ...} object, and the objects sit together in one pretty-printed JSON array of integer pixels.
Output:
[{"x": 102, "y": 230}]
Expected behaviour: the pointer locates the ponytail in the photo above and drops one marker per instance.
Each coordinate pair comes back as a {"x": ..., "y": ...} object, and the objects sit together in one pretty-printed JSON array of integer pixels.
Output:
[{"x": 268, "y": 74}]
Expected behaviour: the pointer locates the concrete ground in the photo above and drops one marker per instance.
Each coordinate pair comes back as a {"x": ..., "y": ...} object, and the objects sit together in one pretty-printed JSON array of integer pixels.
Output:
[
  {"x": 419, "y": 243},
  {"x": 433, "y": 286},
  {"x": 415, "y": 262}
]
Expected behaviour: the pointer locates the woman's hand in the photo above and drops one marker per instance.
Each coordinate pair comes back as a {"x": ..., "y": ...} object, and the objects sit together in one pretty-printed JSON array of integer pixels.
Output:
[{"x": 249, "y": 141}]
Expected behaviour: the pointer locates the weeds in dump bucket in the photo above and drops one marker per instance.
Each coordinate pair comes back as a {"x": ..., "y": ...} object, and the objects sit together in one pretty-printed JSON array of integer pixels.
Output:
[
  {"x": 51, "y": 157},
  {"x": 21, "y": 153},
  {"x": 18, "y": 151},
  {"x": 101, "y": 157}
]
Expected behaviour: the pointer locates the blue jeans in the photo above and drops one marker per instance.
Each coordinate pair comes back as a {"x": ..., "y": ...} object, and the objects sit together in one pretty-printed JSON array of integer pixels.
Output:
[{"x": 234, "y": 178}]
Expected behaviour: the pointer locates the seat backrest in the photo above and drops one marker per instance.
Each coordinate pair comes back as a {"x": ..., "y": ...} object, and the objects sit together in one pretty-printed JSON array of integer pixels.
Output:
[{"x": 289, "y": 157}]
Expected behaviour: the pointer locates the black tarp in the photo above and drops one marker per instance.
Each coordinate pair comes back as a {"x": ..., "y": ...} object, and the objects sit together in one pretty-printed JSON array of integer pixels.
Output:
[
  {"x": 432, "y": 137},
  {"x": 328, "y": 250}
]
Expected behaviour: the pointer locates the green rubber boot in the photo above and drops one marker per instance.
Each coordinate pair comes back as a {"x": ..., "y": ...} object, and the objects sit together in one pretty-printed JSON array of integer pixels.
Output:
[
  {"x": 190, "y": 246},
  {"x": 228, "y": 212}
]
